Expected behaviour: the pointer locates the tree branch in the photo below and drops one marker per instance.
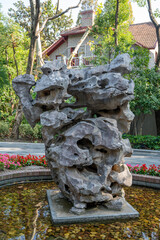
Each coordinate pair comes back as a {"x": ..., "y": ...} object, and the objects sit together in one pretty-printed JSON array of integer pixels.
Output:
[
  {"x": 57, "y": 15},
  {"x": 57, "y": 6},
  {"x": 151, "y": 14},
  {"x": 77, "y": 47}
]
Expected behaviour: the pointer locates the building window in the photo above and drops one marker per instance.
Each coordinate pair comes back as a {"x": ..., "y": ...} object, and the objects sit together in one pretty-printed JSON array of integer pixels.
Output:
[{"x": 59, "y": 57}]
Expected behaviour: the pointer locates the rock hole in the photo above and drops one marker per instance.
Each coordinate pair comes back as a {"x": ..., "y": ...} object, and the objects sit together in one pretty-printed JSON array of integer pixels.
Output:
[
  {"x": 44, "y": 108},
  {"x": 67, "y": 188},
  {"x": 112, "y": 112},
  {"x": 92, "y": 168},
  {"x": 101, "y": 150},
  {"x": 103, "y": 83},
  {"x": 103, "y": 189},
  {"x": 46, "y": 93},
  {"x": 84, "y": 143}
]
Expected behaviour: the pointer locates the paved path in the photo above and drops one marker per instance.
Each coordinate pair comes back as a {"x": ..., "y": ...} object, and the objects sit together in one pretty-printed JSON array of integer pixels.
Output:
[
  {"x": 22, "y": 148},
  {"x": 139, "y": 156}
]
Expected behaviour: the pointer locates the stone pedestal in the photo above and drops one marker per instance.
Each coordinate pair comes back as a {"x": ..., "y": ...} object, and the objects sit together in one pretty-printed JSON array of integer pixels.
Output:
[{"x": 60, "y": 211}]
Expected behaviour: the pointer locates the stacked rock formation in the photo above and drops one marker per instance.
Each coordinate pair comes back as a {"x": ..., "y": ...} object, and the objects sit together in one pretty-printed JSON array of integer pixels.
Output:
[{"x": 83, "y": 113}]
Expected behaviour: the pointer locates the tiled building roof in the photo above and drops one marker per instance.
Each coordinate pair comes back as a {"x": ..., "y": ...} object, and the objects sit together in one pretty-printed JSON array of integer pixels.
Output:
[
  {"x": 144, "y": 34},
  {"x": 74, "y": 31}
]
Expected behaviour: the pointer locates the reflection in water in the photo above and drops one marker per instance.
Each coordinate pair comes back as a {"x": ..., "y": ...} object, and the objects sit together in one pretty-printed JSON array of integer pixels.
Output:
[{"x": 24, "y": 215}]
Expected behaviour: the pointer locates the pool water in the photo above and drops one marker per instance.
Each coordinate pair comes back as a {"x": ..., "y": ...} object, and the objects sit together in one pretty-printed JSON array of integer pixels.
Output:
[{"x": 24, "y": 215}]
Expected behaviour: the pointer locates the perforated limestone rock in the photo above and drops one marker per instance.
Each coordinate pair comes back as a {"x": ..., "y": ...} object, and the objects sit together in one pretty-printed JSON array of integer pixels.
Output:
[{"x": 83, "y": 113}]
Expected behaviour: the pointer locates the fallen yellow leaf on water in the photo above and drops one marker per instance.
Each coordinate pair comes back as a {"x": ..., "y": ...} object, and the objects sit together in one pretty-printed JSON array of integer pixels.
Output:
[
  {"x": 12, "y": 232},
  {"x": 66, "y": 235}
]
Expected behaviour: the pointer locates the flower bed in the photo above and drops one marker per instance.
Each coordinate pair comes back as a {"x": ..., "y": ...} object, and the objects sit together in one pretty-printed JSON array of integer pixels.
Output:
[
  {"x": 144, "y": 170},
  {"x": 16, "y": 161}
]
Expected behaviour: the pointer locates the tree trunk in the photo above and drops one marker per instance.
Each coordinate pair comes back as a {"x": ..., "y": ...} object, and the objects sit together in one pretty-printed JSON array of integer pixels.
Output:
[
  {"x": 31, "y": 55},
  {"x": 157, "y": 27},
  {"x": 158, "y": 39},
  {"x": 19, "y": 112},
  {"x": 39, "y": 58},
  {"x": 14, "y": 55},
  {"x": 18, "y": 120},
  {"x": 142, "y": 118},
  {"x": 35, "y": 15},
  {"x": 135, "y": 127},
  {"x": 116, "y": 23},
  {"x": 77, "y": 47}
]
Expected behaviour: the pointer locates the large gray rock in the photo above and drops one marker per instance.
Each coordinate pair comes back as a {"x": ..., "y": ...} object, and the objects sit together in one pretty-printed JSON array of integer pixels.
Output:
[
  {"x": 22, "y": 86},
  {"x": 83, "y": 137}
]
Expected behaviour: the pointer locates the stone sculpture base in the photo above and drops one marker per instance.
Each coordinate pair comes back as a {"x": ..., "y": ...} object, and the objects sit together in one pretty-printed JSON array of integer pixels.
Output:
[{"x": 60, "y": 211}]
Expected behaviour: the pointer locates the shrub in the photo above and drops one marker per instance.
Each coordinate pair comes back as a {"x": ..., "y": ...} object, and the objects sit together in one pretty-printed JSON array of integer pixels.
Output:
[
  {"x": 1, "y": 166},
  {"x": 144, "y": 142},
  {"x": 26, "y": 131},
  {"x": 37, "y": 131},
  {"x": 4, "y": 129}
]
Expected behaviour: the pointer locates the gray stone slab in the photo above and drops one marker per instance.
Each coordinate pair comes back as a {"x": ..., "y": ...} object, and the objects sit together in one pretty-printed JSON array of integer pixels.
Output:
[
  {"x": 59, "y": 208},
  {"x": 146, "y": 184},
  {"x": 21, "y": 180}
]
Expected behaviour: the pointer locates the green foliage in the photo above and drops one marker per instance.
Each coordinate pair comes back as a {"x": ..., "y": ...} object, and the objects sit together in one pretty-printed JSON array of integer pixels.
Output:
[
  {"x": 144, "y": 142},
  {"x": 14, "y": 47},
  {"x": 104, "y": 31},
  {"x": 4, "y": 129},
  {"x": 8, "y": 103},
  {"x": 3, "y": 75},
  {"x": 147, "y": 84},
  {"x": 37, "y": 131},
  {"x": 1, "y": 166},
  {"x": 27, "y": 132},
  {"x": 70, "y": 100}
]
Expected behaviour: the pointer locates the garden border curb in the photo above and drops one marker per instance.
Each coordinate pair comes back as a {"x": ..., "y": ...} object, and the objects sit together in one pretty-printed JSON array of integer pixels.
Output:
[
  {"x": 146, "y": 150},
  {"x": 10, "y": 177}
]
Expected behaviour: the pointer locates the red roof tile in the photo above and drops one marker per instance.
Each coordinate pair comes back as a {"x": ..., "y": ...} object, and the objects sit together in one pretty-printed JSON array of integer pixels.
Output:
[
  {"x": 74, "y": 31},
  {"x": 144, "y": 34}
]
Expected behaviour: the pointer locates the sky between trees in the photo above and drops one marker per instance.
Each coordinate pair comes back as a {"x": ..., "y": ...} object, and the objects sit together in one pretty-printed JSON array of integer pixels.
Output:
[{"x": 140, "y": 14}]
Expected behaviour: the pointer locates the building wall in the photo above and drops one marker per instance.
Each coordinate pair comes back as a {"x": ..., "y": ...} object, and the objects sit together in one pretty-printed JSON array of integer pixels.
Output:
[
  {"x": 153, "y": 53},
  {"x": 74, "y": 39},
  {"x": 87, "y": 18},
  {"x": 152, "y": 58},
  {"x": 59, "y": 51}
]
